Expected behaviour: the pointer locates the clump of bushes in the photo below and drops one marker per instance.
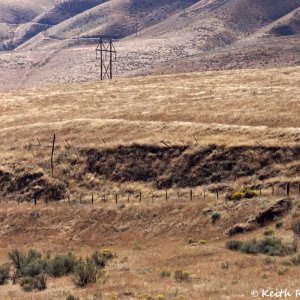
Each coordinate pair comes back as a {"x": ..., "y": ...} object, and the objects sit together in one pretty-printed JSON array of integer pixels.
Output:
[
  {"x": 4, "y": 273},
  {"x": 31, "y": 270},
  {"x": 271, "y": 246},
  {"x": 86, "y": 272},
  {"x": 101, "y": 258},
  {"x": 244, "y": 194}
]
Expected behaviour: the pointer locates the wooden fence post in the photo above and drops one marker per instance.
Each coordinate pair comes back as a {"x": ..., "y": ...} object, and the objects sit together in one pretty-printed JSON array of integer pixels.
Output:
[
  {"x": 191, "y": 195},
  {"x": 140, "y": 196},
  {"x": 92, "y": 199},
  {"x": 288, "y": 189},
  {"x": 52, "y": 153},
  {"x": 217, "y": 194},
  {"x": 35, "y": 200},
  {"x": 152, "y": 197},
  {"x": 204, "y": 193},
  {"x": 116, "y": 197},
  {"x": 128, "y": 198},
  {"x": 166, "y": 195}
]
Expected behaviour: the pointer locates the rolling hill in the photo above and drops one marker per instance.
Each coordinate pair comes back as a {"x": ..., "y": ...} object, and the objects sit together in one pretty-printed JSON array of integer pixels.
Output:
[{"x": 57, "y": 39}]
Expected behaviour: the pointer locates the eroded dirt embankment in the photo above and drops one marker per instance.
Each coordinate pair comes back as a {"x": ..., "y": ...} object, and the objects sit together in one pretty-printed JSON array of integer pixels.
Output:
[{"x": 161, "y": 167}]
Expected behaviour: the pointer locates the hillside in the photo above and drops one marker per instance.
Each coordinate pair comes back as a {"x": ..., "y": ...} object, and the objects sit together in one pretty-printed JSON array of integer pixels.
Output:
[
  {"x": 97, "y": 119},
  {"x": 170, "y": 150}
]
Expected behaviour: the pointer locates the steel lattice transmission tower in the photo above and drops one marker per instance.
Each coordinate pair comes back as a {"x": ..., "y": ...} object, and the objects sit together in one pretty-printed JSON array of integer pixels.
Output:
[{"x": 107, "y": 54}]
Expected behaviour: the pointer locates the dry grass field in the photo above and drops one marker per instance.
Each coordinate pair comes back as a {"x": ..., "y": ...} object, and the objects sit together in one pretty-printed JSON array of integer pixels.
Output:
[{"x": 242, "y": 126}]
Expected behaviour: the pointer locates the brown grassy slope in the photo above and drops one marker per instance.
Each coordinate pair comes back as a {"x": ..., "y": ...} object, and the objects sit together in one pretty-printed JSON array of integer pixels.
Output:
[
  {"x": 148, "y": 239},
  {"x": 252, "y": 114}
]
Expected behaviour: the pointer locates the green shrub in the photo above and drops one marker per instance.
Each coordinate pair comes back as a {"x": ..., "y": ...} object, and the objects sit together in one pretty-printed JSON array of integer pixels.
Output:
[
  {"x": 70, "y": 262},
  {"x": 26, "y": 284},
  {"x": 61, "y": 265},
  {"x": 32, "y": 255},
  {"x": 86, "y": 272},
  {"x": 102, "y": 258},
  {"x": 270, "y": 246},
  {"x": 215, "y": 216},
  {"x": 181, "y": 275},
  {"x": 56, "y": 267},
  {"x": 4, "y": 273},
  {"x": 40, "y": 282},
  {"x": 33, "y": 268},
  {"x": 17, "y": 258},
  {"x": 234, "y": 245}
]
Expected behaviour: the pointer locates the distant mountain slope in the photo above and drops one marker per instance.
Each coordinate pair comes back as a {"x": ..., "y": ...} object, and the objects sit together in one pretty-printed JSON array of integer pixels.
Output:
[
  {"x": 206, "y": 23},
  {"x": 154, "y": 36},
  {"x": 22, "y": 11}
]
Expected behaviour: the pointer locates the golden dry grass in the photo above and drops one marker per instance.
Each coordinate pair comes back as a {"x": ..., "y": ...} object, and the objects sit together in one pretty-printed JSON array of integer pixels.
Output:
[{"x": 238, "y": 107}]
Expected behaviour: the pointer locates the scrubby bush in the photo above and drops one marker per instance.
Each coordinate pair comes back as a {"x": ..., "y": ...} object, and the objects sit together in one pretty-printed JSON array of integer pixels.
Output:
[
  {"x": 61, "y": 265},
  {"x": 38, "y": 282},
  {"x": 4, "y": 273},
  {"x": 56, "y": 267},
  {"x": 26, "y": 284},
  {"x": 270, "y": 246},
  {"x": 215, "y": 216},
  {"x": 86, "y": 272},
  {"x": 102, "y": 257},
  {"x": 279, "y": 225},
  {"x": 234, "y": 245},
  {"x": 181, "y": 275},
  {"x": 17, "y": 258},
  {"x": 31, "y": 270}
]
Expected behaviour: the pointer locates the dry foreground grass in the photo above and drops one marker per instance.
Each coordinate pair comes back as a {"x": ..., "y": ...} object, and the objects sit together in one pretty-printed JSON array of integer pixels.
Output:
[{"x": 224, "y": 130}]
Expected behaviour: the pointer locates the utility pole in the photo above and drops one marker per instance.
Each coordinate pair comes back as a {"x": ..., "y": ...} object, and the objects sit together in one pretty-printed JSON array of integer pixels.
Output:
[{"x": 108, "y": 55}]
